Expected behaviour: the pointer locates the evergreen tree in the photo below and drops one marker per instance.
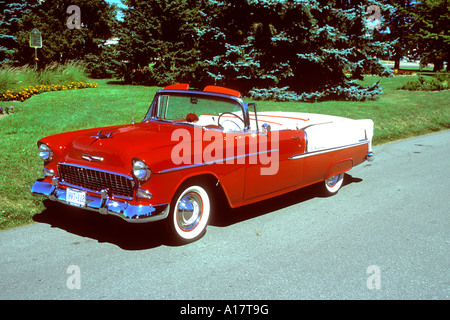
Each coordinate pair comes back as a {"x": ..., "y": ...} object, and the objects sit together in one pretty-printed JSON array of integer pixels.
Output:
[
  {"x": 300, "y": 48},
  {"x": 295, "y": 50},
  {"x": 10, "y": 14},
  {"x": 158, "y": 41}
]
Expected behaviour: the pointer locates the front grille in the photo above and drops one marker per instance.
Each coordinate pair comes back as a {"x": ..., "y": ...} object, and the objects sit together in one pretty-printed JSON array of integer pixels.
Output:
[{"x": 96, "y": 180}]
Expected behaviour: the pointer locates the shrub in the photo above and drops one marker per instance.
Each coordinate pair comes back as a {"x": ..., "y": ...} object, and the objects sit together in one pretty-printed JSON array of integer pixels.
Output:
[
  {"x": 62, "y": 73},
  {"x": 349, "y": 91},
  {"x": 438, "y": 82},
  {"x": 15, "y": 77},
  {"x": 442, "y": 76}
]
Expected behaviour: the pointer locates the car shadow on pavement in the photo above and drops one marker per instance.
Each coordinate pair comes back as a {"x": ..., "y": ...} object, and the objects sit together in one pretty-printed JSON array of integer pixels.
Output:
[
  {"x": 230, "y": 216},
  {"x": 103, "y": 228},
  {"x": 135, "y": 236}
]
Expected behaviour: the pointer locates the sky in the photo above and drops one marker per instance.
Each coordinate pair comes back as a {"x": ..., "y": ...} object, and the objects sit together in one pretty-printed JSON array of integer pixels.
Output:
[{"x": 119, "y": 4}]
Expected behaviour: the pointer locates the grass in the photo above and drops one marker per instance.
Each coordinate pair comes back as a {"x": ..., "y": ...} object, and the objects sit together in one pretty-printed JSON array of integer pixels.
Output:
[{"x": 397, "y": 114}]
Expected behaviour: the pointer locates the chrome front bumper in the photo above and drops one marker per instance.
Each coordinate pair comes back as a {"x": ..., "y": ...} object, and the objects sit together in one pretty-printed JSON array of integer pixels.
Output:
[{"x": 103, "y": 204}]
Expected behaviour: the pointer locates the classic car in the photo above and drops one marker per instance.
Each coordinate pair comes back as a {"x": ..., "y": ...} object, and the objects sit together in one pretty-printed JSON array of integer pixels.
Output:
[{"x": 191, "y": 146}]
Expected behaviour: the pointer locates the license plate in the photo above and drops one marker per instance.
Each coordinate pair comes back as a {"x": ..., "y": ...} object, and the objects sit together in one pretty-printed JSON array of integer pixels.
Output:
[{"x": 76, "y": 197}]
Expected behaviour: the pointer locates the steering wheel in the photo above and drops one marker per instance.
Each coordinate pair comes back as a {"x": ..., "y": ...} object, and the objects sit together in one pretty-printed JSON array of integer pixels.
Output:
[{"x": 227, "y": 120}]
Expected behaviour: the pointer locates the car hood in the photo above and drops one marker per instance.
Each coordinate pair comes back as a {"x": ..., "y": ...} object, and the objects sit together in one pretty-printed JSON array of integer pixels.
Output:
[{"x": 117, "y": 146}]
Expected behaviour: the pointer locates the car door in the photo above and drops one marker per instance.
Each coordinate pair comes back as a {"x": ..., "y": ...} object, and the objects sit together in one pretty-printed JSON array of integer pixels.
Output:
[{"x": 269, "y": 168}]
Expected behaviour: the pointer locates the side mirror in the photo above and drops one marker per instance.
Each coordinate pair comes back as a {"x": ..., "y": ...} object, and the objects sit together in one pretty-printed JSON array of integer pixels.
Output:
[{"x": 265, "y": 128}]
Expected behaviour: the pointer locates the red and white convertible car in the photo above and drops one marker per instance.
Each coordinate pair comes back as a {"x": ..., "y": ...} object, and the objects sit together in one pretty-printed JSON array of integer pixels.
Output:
[{"x": 191, "y": 146}]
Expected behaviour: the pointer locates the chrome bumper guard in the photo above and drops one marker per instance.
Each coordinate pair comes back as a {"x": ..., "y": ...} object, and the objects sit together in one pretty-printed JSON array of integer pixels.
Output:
[
  {"x": 370, "y": 156},
  {"x": 104, "y": 205}
]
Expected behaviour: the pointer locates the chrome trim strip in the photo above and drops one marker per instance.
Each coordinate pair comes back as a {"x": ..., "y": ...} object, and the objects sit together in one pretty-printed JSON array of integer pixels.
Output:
[
  {"x": 221, "y": 161},
  {"x": 97, "y": 169},
  {"x": 306, "y": 140},
  {"x": 317, "y": 152},
  {"x": 316, "y": 124}
]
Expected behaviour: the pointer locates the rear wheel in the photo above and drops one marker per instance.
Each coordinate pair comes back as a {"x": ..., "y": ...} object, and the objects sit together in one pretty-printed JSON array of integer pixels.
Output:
[
  {"x": 190, "y": 211},
  {"x": 334, "y": 183}
]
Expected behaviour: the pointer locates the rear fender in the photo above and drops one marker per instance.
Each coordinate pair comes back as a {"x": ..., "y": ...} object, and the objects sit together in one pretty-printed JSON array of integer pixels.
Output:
[{"x": 339, "y": 167}]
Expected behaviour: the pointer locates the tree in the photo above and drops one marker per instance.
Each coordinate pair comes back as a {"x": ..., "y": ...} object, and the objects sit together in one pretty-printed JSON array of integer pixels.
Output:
[
  {"x": 61, "y": 43},
  {"x": 157, "y": 41},
  {"x": 300, "y": 49},
  {"x": 10, "y": 14},
  {"x": 396, "y": 27},
  {"x": 430, "y": 25},
  {"x": 419, "y": 29}
]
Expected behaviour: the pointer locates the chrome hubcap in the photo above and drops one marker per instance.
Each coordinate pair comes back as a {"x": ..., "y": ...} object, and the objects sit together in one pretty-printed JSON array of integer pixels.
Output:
[
  {"x": 189, "y": 211},
  {"x": 331, "y": 181}
]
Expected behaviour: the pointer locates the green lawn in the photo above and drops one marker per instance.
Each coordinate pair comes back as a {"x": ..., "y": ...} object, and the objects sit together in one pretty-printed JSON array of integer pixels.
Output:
[{"x": 397, "y": 115}]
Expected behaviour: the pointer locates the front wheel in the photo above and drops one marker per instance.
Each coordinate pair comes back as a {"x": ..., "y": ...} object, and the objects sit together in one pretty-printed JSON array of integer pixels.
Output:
[
  {"x": 190, "y": 211},
  {"x": 334, "y": 183}
]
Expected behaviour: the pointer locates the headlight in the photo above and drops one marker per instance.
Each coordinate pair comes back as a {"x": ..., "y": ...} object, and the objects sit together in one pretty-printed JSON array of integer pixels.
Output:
[
  {"x": 141, "y": 171},
  {"x": 45, "y": 152}
]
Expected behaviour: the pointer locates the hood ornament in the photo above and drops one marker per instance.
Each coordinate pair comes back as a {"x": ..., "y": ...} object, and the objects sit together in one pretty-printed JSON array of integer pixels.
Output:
[
  {"x": 90, "y": 158},
  {"x": 99, "y": 135}
]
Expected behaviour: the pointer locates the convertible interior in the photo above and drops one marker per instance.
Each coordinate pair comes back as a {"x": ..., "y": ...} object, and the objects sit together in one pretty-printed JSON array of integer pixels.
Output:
[{"x": 323, "y": 132}]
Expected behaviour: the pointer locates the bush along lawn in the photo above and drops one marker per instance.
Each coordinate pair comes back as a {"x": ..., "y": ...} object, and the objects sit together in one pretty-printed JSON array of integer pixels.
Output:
[{"x": 438, "y": 82}]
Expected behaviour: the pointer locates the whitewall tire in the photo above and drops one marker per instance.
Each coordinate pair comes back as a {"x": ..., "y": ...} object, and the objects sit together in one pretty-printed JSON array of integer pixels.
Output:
[
  {"x": 334, "y": 183},
  {"x": 190, "y": 211}
]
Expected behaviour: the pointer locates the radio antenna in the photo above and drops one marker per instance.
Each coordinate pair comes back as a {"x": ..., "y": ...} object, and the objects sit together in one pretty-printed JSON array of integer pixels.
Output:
[{"x": 132, "y": 101}]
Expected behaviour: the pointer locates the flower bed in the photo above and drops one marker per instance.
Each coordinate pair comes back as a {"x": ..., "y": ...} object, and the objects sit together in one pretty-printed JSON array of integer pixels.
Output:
[
  {"x": 404, "y": 72},
  {"x": 25, "y": 93}
]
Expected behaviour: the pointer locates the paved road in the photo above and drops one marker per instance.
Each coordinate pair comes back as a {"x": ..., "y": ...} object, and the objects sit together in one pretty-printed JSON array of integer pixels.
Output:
[{"x": 391, "y": 219}]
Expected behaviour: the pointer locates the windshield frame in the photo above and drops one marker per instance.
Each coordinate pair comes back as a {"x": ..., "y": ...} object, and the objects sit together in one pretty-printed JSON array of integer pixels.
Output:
[{"x": 153, "y": 110}]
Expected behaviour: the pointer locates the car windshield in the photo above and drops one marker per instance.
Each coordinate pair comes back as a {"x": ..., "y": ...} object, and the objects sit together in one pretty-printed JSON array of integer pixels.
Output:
[{"x": 203, "y": 110}]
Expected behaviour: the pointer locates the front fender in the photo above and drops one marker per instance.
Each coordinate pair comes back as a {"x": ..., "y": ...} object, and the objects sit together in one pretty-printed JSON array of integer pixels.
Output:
[{"x": 61, "y": 143}]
